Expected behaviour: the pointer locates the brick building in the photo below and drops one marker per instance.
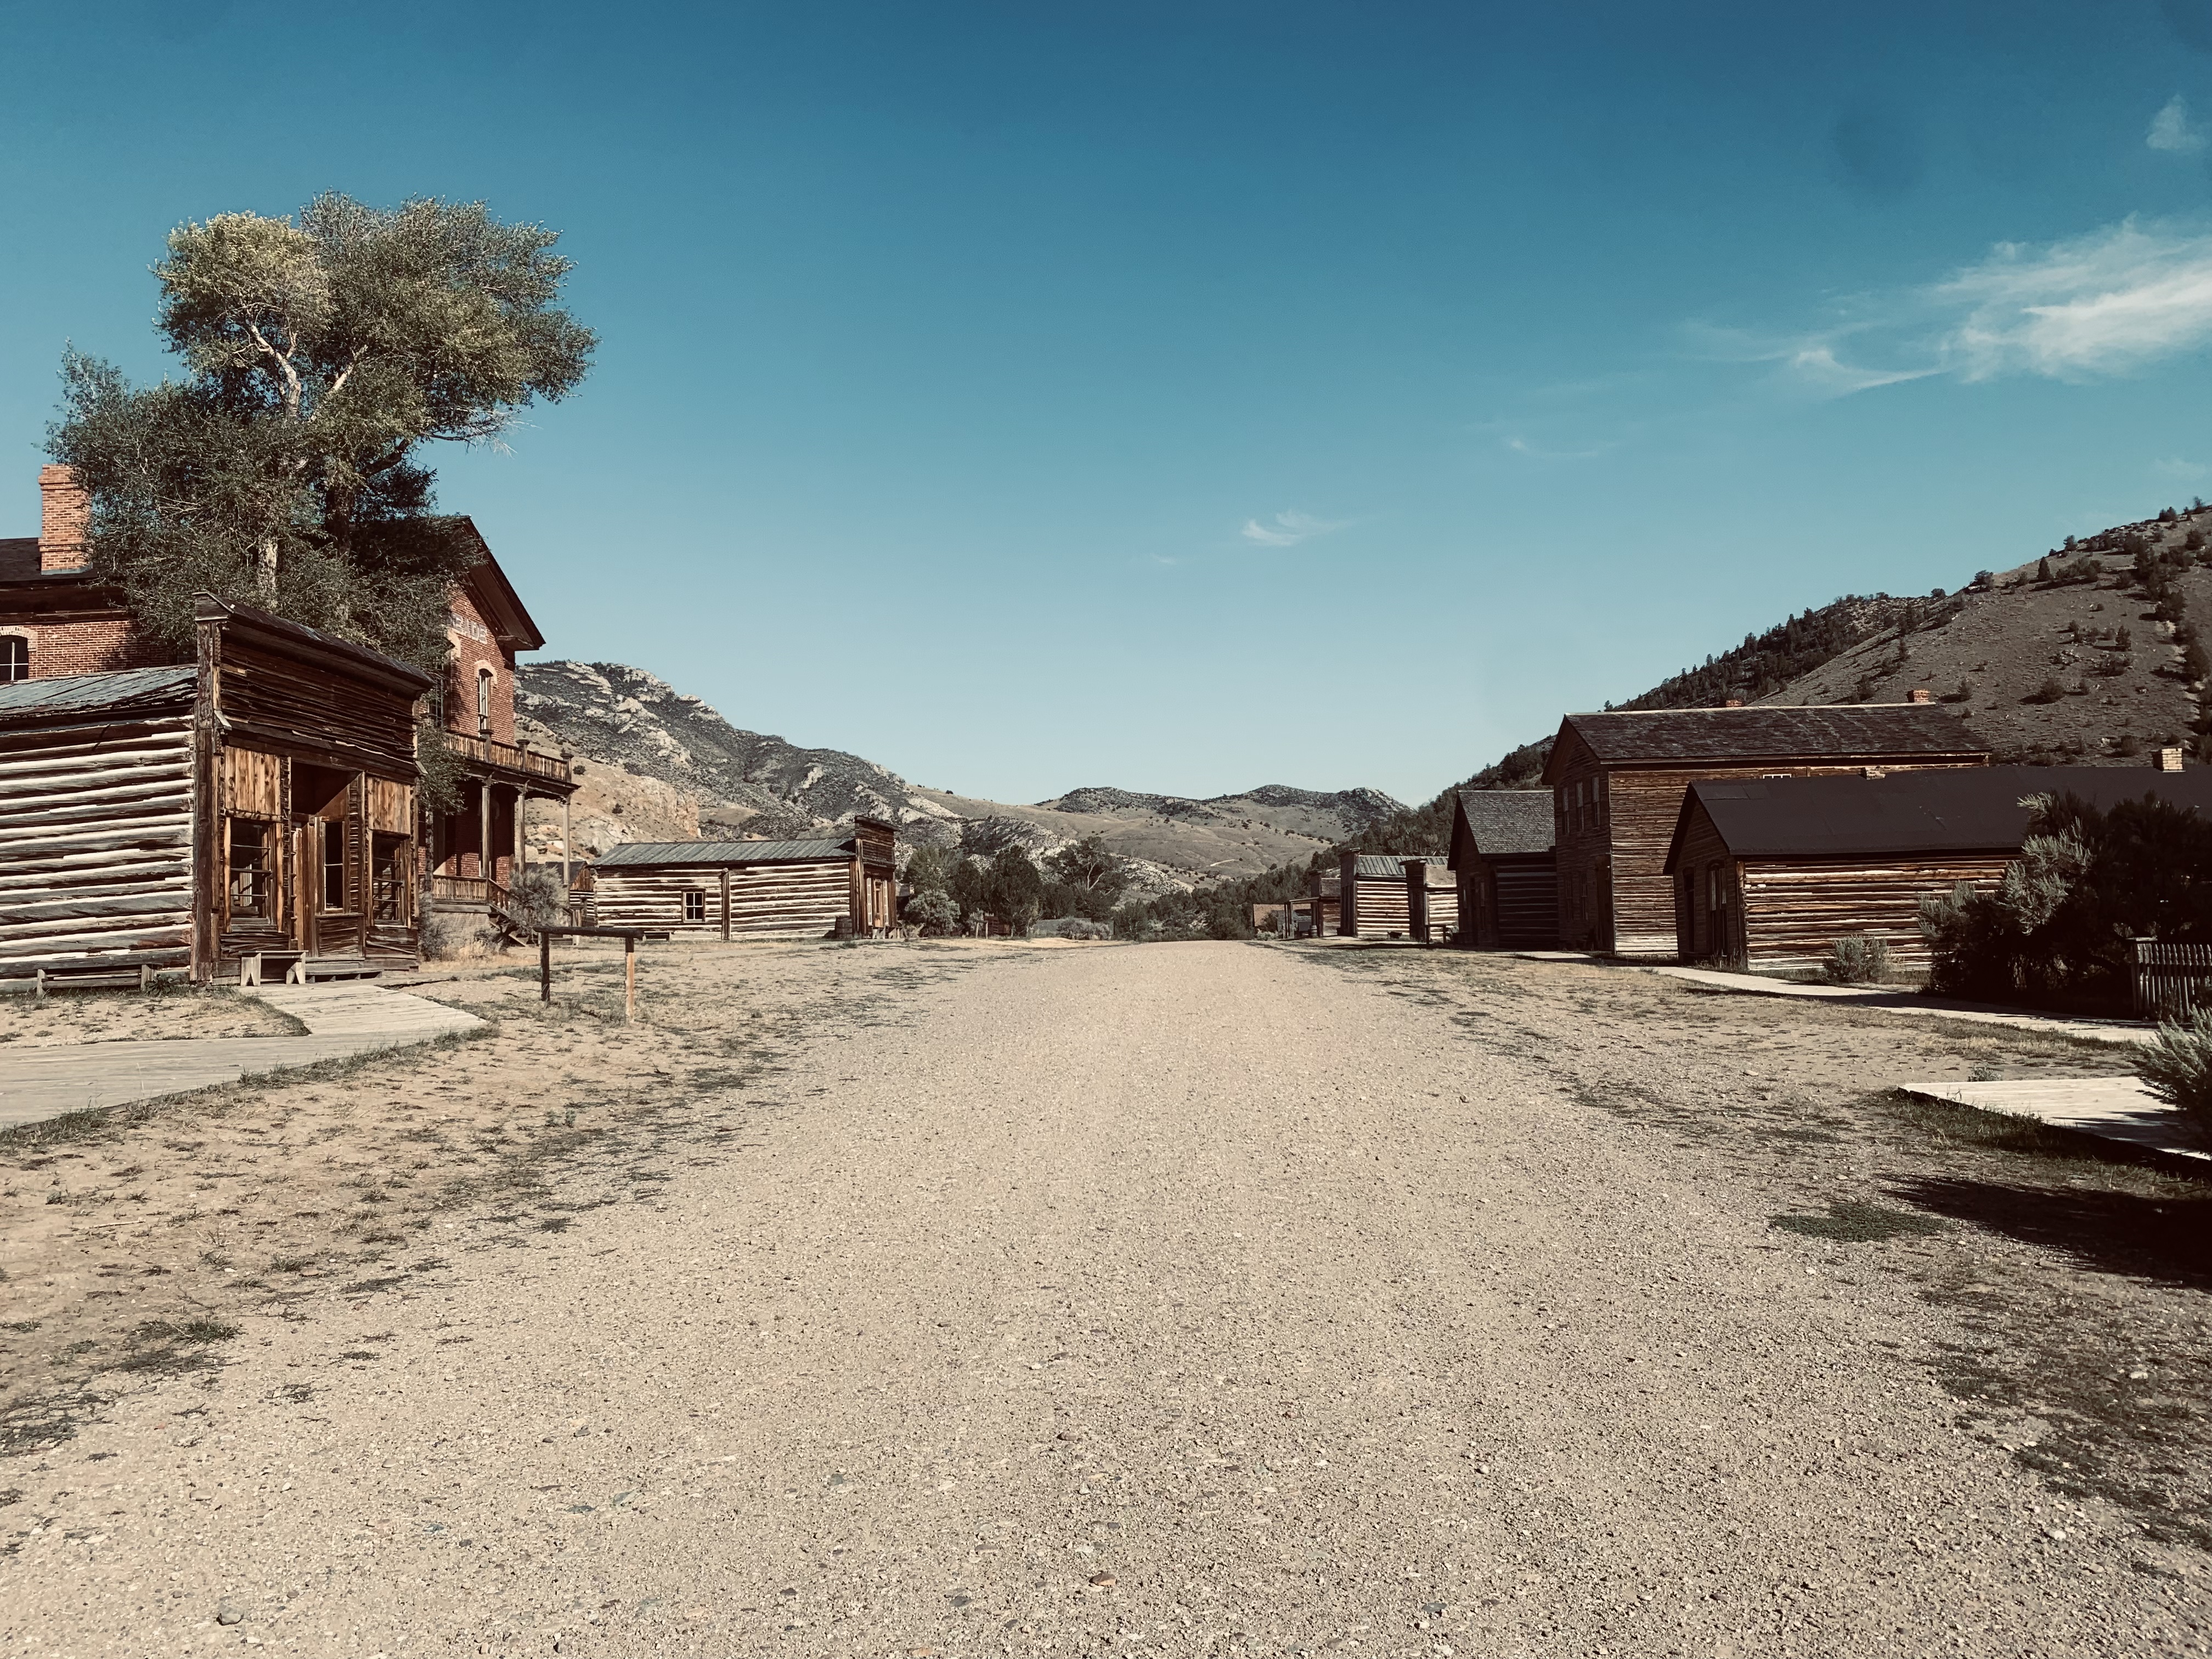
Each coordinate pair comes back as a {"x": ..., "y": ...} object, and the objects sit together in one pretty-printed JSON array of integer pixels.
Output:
[{"x": 56, "y": 620}]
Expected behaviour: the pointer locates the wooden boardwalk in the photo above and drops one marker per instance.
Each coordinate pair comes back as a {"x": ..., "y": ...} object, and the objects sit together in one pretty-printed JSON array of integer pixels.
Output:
[
  {"x": 2116, "y": 1108},
  {"x": 341, "y": 1020}
]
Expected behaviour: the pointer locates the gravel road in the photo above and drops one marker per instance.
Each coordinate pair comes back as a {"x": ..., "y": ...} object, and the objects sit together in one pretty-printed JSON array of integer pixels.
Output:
[{"x": 1183, "y": 1299}]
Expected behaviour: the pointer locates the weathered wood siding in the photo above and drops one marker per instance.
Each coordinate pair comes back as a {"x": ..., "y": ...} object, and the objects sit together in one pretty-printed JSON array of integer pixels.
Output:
[
  {"x": 96, "y": 847},
  {"x": 1615, "y": 826},
  {"x": 1526, "y": 900},
  {"x": 794, "y": 900},
  {"x": 1793, "y": 911},
  {"x": 271, "y": 701},
  {"x": 1379, "y": 907}
]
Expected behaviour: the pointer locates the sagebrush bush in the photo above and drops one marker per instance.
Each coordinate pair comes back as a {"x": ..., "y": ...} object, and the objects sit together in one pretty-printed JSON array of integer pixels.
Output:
[
  {"x": 449, "y": 934},
  {"x": 2177, "y": 1066},
  {"x": 933, "y": 912},
  {"x": 1857, "y": 959}
]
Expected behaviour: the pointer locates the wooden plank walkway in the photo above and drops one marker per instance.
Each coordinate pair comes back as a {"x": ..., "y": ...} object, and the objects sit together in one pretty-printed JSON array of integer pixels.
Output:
[
  {"x": 341, "y": 1020},
  {"x": 2116, "y": 1108}
]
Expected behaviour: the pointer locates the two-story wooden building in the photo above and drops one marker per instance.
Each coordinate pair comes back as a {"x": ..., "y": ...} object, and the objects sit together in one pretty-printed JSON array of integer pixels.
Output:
[{"x": 1618, "y": 781}]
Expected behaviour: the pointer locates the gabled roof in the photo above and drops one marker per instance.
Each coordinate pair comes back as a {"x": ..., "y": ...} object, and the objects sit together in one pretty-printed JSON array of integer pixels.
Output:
[
  {"x": 495, "y": 599},
  {"x": 126, "y": 694},
  {"x": 1830, "y": 734},
  {"x": 1502, "y": 823},
  {"x": 639, "y": 854},
  {"x": 1391, "y": 866},
  {"x": 1968, "y": 809}
]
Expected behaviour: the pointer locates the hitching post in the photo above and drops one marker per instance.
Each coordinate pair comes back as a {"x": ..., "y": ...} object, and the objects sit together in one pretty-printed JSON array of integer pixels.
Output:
[
  {"x": 629, "y": 978},
  {"x": 544, "y": 966}
]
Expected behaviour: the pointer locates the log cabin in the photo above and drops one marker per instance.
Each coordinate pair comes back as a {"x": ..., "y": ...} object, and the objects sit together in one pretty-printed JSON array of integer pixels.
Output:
[
  {"x": 1396, "y": 895},
  {"x": 57, "y": 619},
  {"x": 823, "y": 889},
  {"x": 1324, "y": 901},
  {"x": 1618, "y": 779},
  {"x": 250, "y": 812},
  {"x": 1503, "y": 856},
  {"x": 1769, "y": 873}
]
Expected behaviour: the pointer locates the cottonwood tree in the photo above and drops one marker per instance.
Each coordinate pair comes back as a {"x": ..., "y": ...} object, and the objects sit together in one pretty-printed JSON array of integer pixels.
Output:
[{"x": 321, "y": 355}]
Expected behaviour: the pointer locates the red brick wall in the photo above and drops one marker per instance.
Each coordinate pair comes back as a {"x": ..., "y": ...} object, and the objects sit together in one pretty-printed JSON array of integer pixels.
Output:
[
  {"x": 475, "y": 648},
  {"x": 97, "y": 647}
]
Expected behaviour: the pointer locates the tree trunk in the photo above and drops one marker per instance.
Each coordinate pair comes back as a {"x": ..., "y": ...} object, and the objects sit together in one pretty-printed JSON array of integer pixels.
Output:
[{"x": 266, "y": 569}]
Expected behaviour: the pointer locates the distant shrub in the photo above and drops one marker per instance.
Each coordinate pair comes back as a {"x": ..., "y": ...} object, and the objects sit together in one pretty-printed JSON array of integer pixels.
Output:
[
  {"x": 2168, "y": 516},
  {"x": 2176, "y": 1066},
  {"x": 1983, "y": 578},
  {"x": 1857, "y": 959},
  {"x": 2050, "y": 691},
  {"x": 2083, "y": 569},
  {"x": 1070, "y": 927},
  {"x": 933, "y": 911},
  {"x": 2043, "y": 571},
  {"x": 1963, "y": 693}
]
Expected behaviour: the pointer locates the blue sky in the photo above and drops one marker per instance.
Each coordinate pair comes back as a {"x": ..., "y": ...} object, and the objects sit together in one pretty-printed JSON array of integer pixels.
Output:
[{"x": 1191, "y": 397}]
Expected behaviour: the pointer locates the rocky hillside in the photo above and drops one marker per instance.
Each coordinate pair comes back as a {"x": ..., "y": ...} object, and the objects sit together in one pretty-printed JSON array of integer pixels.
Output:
[
  {"x": 2078, "y": 656},
  {"x": 648, "y": 754}
]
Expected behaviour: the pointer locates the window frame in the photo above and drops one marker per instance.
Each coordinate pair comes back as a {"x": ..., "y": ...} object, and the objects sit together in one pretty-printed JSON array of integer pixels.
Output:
[{"x": 695, "y": 904}]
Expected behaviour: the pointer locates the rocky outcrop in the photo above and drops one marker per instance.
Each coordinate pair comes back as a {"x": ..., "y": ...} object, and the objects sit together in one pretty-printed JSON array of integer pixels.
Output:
[{"x": 645, "y": 749}]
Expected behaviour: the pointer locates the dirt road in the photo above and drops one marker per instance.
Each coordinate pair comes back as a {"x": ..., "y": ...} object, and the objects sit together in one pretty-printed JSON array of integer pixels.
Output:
[{"x": 1209, "y": 1299}]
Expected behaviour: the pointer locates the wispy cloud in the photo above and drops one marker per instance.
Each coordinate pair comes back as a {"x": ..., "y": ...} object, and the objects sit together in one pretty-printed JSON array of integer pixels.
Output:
[
  {"x": 1288, "y": 529},
  {"x": 2171, "y": 128},
  {"x": 2172, "y": 466},
  {"x": 2115, "y": 299},
  {"x": 1536, "y": 452}
]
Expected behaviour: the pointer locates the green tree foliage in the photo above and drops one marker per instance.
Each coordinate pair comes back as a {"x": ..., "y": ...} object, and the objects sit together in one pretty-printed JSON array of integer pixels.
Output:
[
  {"x": 321, "y": 353},
  {"x": 2055, "y": 929}
]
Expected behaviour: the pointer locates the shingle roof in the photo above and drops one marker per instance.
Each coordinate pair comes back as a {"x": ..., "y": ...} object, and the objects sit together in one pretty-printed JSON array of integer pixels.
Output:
[
  {"x": 1391, "y": 866},
  {"x": 1947, "y": 809},
  {"x": 1505, "y": 821},
  {"x": 1842, "y": 732},
  {"x": 19, "y": 557},
  {"x": 130, "y": 692},
  {"x": 641, "y": 853}
]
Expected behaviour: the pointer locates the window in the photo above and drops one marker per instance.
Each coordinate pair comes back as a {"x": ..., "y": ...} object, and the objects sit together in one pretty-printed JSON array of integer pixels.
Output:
[
  {"x": 387, "y": 868},
  {"x": 252, "y": 861},
  {"x": 484, "y": 703},
  {"x": 334, "y": 871},
  {"x": 695, "y": 904},
  {"x": 15, "y": 658}
]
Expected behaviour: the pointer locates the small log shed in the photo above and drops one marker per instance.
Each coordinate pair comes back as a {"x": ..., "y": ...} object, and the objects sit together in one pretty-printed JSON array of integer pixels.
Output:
[
  {"x": 1770, "y": 873},
  {"x": 1618, "y": 779},
  {"x": 753, "y": 889},
  {"x": 258, "y": 802},
  {"x": 1396, "y": 895},
  {"x": 1502, "y": 853}
]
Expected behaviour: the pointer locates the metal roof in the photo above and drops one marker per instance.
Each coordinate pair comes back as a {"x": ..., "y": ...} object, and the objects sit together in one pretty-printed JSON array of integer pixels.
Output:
[
  {"x": 1940, "y": 810},
  {"x": 131, "y": 691},
  {"x": 1391, "y": 866},
  {"x": 1870, "y": 732},
  {"x": 1503, "y": 822},
  {"x": 636, "y": 854}
]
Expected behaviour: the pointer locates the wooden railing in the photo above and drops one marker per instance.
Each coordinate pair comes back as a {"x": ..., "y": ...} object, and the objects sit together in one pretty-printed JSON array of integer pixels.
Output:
[
  {"x": 467, "y": 889},
  {"x": 2172, "y": 980},
  {"x": 509, "y": 756}
]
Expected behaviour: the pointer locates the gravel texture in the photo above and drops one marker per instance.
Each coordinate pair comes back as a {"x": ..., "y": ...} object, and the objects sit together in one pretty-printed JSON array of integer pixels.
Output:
[{"x": 1173, "y": 1299}]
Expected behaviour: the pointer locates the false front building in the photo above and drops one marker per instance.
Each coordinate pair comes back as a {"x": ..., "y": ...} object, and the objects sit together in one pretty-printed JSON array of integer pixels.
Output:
[
  {"x": 1618, "y": 779},
  {"x": 251, "y": 811}
]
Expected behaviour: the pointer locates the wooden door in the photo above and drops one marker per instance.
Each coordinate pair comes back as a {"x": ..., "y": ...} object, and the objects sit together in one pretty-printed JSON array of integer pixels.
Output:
[{"x": 302, "y": 870}]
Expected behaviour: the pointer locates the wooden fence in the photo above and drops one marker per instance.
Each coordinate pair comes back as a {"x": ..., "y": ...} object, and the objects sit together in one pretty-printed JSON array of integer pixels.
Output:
[{"x": 2171, "y": 980}]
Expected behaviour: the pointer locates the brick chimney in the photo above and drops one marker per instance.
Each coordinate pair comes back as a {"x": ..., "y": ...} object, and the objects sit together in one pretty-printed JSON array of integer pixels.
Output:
[
  {"x": 1919, "y": 693},
  {"x": 1732, "y": 702},
  {"x": 64, "y": 519},
  {"x": 2165, "y": 760}
]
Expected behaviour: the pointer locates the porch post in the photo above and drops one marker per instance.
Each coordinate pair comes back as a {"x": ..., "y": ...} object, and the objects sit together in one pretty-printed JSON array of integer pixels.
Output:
[{"x": 483, "y": 830}]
